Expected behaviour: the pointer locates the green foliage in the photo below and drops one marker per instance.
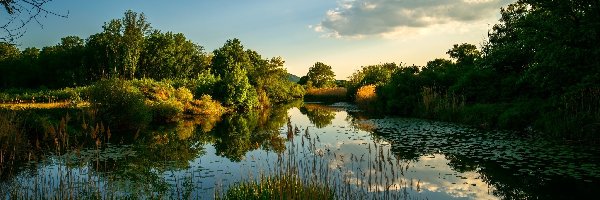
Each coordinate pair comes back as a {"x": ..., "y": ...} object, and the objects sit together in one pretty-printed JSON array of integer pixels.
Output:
[
  {"x": 320, "y": 76},
  {"x": 120, "y": 104},
  {"x": 370, "y": 75},
  {"x": 229, "y": 57},
  {"x": 169, "y": 55},
  {"x": 235, "y": 90},
  {"x": 205, "y": 105},
  {"x": 166, "y": 111},
  {"x": 135, "y": 27},
  {"x": 465, "y": 54},
  {"x": 402, "y": 94}
]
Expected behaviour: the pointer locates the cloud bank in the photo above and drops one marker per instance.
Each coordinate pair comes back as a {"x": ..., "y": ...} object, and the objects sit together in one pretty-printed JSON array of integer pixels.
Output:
[{"x": 358, "y": 18}]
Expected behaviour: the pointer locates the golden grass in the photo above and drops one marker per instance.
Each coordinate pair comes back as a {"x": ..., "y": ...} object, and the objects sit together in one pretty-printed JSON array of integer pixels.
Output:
[
  {"x": 334, "y": 91},
  {"x": 326, "y": 94},
  {"x": 22, "y": 106},
  {"x": 366, "y": 96}
]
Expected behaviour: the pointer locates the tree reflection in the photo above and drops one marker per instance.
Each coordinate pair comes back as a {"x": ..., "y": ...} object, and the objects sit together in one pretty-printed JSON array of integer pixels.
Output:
[
  {"x": 238, "y": 134},
  {"x": 319, "y": 115}
]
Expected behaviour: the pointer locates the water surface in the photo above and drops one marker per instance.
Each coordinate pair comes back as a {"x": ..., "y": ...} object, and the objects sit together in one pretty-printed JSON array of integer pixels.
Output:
[{"x": 361, "y": 157}]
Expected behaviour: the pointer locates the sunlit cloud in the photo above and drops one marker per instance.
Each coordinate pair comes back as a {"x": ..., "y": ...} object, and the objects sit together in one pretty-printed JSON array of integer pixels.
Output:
[{"x": 360, "y": 18}]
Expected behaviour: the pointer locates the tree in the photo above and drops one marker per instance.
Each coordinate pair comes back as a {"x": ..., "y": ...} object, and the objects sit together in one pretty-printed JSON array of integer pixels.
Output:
[
  {"x": 135, "y": 27},
  {"x": 169, "y": 55},
  {"x": 9, "y": 55},
  {"x": 367, "y": 75},
  {"x": 465, "y": 54},
  {"x": 116, "y": 51},
  {"x": 320, "y": 75},
  {"x": 21, "y": 13},
  {"x": 231, "y": 62},
  {"x": 230, "y": 55}
]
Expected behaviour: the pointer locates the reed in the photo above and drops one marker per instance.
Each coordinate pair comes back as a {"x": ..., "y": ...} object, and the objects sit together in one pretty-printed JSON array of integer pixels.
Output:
[{"x": 334, "y": 94}]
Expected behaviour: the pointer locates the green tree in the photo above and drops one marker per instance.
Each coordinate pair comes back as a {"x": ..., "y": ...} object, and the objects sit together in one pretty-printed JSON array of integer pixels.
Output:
[
  {"x": 231, "y": 62},
  {"x": 320, "y": 75},
  {"x": 226, "y": 58},
  {"x": 465, "y": 54},
  {"x": 135, "y": 27},
  {"x": 367, "y": 75},
  {"x": 9, "y": 55},
  {"x": 169, "y": 55},
  {"x": 104, "y": 52},
  {"x": 63, "y": 63}
]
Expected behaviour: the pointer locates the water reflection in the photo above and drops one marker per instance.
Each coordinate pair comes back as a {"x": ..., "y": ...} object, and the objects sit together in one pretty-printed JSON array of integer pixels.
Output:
[
  {"x": 319, "y": 115},
  {"x": 361, "y": 157}
]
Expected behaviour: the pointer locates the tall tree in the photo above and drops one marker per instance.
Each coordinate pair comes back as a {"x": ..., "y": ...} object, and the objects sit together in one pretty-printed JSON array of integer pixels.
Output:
[
  {"x": 321, "y": 75},
  {"x": 169, "y": 55},
  {"x": 232, "y": 54},
  {"x": 231, "y": 63},
  {"x": 9, "y": 54},
  {"x": 135, "y": 27}
]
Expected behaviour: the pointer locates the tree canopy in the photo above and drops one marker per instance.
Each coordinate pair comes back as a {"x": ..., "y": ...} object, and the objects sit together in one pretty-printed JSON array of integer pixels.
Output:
[{"x": 320, "y": 75}]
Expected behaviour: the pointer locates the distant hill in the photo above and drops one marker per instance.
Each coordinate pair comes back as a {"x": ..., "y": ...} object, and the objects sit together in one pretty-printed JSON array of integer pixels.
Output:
[{"x": 293, "y": 78}]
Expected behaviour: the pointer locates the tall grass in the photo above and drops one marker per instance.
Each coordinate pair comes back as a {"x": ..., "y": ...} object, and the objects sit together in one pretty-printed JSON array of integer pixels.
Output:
[
  {"x": 334, "y": 94},
  {"x": 308, "y": 170},
  {"x": 366, "y": 97}
]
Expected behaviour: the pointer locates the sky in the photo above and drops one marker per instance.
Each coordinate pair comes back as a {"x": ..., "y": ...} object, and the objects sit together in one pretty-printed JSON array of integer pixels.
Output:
[{"x": 345, "y": 34}]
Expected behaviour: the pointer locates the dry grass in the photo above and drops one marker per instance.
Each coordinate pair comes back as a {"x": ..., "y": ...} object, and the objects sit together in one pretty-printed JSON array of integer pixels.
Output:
[
  {"x": 366, "y": 96},
  {"x": 326, "y": 94}
]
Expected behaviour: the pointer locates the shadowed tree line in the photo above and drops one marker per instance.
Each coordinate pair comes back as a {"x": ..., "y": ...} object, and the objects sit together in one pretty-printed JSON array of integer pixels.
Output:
[{"x": 538, "y": 70}]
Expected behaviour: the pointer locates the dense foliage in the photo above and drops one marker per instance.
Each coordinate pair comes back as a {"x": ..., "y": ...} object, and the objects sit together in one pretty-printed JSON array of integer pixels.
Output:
[
  {"x": 319, "y": 75},
  {"x": 130, "y": 49},
  {"x": 538, "y": 70}
]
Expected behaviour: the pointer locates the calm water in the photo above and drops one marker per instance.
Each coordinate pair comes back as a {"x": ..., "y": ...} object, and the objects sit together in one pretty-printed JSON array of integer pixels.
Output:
[{"x": 362, "y": 157}]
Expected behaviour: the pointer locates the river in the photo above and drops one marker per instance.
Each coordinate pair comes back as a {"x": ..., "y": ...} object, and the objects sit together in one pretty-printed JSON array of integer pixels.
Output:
[{"x": 360, "y": 156}]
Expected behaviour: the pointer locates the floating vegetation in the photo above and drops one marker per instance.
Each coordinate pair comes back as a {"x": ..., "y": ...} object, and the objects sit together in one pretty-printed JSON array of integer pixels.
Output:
[
  {"x": 529, "y": 156},
  {"x": 346, "y": 156}
]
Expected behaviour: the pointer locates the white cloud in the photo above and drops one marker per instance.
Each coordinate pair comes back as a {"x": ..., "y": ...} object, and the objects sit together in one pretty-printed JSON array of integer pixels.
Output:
[{"x": 358, "y": 18}]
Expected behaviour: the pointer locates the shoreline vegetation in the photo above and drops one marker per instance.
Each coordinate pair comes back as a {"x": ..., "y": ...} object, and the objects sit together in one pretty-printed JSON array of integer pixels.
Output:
[{"x": 130, "y": 76}]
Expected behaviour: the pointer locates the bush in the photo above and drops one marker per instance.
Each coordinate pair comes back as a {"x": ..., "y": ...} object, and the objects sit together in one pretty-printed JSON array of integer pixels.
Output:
[
  {"x": 184, "y": 95},
  {"x": 205, "y": 105},
  {"x": 520, "y": 115},
  {"x": 366, "y": 96},
  {"x": 166, "y": 111},
  {"x": 482, "y": 115},
  {"x": 281, "y": 186},
  {"x": 120, "y": 104},
  {"x": 154, "y": 90},
  {"x": 204, "y": 84}
]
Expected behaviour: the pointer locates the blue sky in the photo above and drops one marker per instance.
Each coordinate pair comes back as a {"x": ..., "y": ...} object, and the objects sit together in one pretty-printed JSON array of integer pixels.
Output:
[{"x": 345, "y": 34}]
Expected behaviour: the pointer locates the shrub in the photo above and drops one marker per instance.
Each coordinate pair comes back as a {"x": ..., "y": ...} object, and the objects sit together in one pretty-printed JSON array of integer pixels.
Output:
[
  {"x": 166, "y": 111},
  {"x": 154, "y": 90},
  {"x": 366, "y": 96},
  {"x": 204, "y": 84},
  {"x": 120, "y": 104},
  {"x": 184, "y": 95},
  {"x": 205, "y": 105},
  {"x": 482, "y": 115}
]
